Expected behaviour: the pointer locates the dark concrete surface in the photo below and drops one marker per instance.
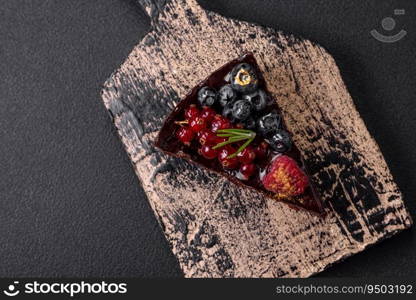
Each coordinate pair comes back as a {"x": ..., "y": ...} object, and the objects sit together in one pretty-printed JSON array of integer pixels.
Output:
[{"x": 70, "y": 204}]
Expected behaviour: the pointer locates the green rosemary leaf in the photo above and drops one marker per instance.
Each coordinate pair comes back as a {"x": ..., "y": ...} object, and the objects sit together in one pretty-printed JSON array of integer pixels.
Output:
[
  {"x": 233, "y": 134},
  {"x": 243, "y": 146},
  {"x": 235, "y": 130},
  {"x": 226, "y": 134},
  {"x": 229, "y": 141}
]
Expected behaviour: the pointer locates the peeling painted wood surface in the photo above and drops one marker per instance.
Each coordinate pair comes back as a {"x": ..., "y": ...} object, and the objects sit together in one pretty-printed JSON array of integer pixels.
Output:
[{"x": 214, "y": 228}]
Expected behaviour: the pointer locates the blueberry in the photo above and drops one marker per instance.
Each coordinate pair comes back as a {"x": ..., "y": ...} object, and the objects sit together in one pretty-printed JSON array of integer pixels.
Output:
[
  {"x": 269, "y": 123},
  {"x": 249, "y": 123},
  {"x": 207, "y": 96},
  {"x": 226, "y": 95},
  {"x": 227, "y": 112},
  {"x": 258, "y": 99},
  {"x": 242, "y": 109},
  {"x": 280, "y": 141},
  {"x": 244, "y": 78}
]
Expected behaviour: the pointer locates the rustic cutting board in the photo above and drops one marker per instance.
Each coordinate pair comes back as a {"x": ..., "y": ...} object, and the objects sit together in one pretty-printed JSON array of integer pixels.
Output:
[{"x": 214, "y": 228}]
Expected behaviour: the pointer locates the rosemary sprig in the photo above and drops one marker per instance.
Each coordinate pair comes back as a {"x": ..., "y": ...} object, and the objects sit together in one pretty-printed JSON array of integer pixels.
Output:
[{"x": 235, "y": 135}]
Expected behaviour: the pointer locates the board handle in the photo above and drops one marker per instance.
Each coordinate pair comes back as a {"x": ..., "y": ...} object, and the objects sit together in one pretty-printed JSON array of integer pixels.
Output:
[{"x": 154, "y": 7}]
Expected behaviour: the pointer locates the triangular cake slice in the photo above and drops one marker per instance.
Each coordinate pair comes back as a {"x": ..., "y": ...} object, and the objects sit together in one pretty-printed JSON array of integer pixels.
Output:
[{"x": 230, "y": 124}]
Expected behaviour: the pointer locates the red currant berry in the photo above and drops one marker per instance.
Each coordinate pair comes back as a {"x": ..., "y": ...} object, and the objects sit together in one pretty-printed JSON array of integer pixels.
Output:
[
  {"x": 220, "y": 122},
  {"x": 191, "y": 112},
  {"x": 185, "y": 135},
  {"x": 261, "y": 150},
  {"x": 199, "y": 134},
  {"x": 208, "y": 113},
  {"x": 228, "y": 163},
  {"x": 219, "y": 139},
  {"x": 207, "y": 152},
  {"x": 198, "y": 124},
  {"x": 247, "y": 155},
  {"x": 207, "y": 137},
  {"x": 247, "y": 170}
]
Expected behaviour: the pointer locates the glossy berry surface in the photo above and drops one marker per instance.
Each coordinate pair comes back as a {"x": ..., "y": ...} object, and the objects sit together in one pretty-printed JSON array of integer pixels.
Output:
[
  {"x": 244, "y": 78},
  {"x": 241, "y": 110},
  {"x": 207, "y": 137},
  {"x": 185, "y": 135},
  {"x": 247, "y": 155},
  {"x": 226, "y": 95},
  {"x": 207, "y": 96},
  {"x": 220, "y": 122},
  {"x": 285, "y": 177},
  {"x": 280, "y": 141},
  {"x": 208, "y": 113},
  {"x": 207, "y": 152},
  {"x": 269, "y": 123},
  {"x": 198, "y": 124},
  {"x": 258, "y": 100},
  {"x": 227, "y": 112},
  {"x": 249, "y": 123},
  {"x": 247, "y": 171},
  {"x": 261, "y": 151},
  {"x": 191, "y": 112},
  {"x": 228, "y": 163}
]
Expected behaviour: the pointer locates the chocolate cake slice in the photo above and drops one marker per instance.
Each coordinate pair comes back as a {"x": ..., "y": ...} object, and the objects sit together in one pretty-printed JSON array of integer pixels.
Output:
[{"x": 230, "y": 124}]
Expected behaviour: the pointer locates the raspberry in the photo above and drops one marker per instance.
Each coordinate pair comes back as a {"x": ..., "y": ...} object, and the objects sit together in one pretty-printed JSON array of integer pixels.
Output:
[{"x": 285, "y": 177}]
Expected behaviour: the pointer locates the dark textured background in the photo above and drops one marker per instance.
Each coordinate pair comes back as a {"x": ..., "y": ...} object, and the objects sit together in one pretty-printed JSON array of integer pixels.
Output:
[{"x": 70, "y": 204}]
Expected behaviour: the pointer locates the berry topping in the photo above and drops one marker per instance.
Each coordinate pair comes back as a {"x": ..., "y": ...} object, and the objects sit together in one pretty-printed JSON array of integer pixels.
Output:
[
  {"x": 280, "y": 141},
  {"x": 250, "y": 123},
  {"x": 244, "y": 78},
  {"x": 226, "y": 95},
  {"x": 233, "y": 126},
  {"x": 185, "y": 135},
  {"x": 258, "y": 100},
  {"x": 247, "y": 171},
  {"x": 220, "y": 122},
  {"x": 261, "y": 151},
  {"x": 285, "y": 178},
  {"x": 268, "y": 124},
  {"x": 241, "y": 109},
  {"x": 247, "y": 155},
  {"x": 227, "y": 112},
  {"x": 234, "y": 135},
  {"x": 221, "y": 140},
  {"x": 198, "y": 124},
  {"x": 225, "y": 160},
  {"x": 191, "y": 112},
  {"x": 207, "y": 137},
  {"x": 207, "y": 96},
  {"x": 208, "y": 113},
  {"x": 207, "y": 152}
]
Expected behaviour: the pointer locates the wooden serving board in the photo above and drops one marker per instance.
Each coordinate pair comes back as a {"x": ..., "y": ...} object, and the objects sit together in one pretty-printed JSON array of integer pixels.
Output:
[{"x": 215, "y": 228}]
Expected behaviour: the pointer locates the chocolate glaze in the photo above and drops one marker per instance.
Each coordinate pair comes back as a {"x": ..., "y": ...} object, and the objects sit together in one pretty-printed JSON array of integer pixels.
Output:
[{"x": 169, "y": 144}]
